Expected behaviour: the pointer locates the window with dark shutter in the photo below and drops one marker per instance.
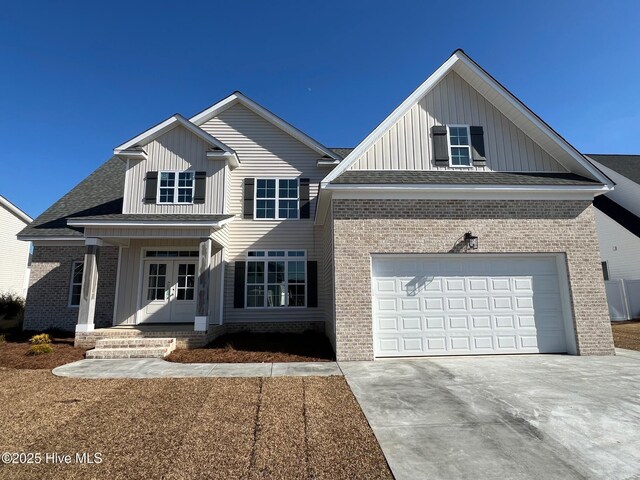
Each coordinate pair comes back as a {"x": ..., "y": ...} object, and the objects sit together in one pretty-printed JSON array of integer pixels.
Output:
[
  {"x": 151, "y": 187},
  {"x": 305, "y": 205},
  {"x": 238, "y": 285},
  {"x": 248, "y": 197},
  {"x": 312, "y": 282},
  {"x": 200, "y": 187},
  {"x": 440, "y": 147}
]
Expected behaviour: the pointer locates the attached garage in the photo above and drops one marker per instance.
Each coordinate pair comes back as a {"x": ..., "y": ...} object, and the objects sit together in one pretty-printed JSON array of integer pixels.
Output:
[{"x": 473, "y": 304}]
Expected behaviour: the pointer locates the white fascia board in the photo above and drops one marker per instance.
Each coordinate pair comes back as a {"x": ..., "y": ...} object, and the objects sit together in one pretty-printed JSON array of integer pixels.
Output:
[
  {"x": 388, "y": 122},
  {"x": 149, "y": 223},
  {"x": 54, "y": 240},
  {"x": 238, "y": 97},
  {"x": 15, "y": 210},
  {"x": 132, "y": 154},
  {"x": 165, "y": 126},
  {"x": 234, "y": 161},
  {"x": 460, "y": 57},
  {"x": 541, "y": 192}
]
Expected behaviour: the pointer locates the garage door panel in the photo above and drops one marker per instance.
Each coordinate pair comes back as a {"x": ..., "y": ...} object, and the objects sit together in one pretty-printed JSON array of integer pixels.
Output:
[{"x": 467, "y": 305}]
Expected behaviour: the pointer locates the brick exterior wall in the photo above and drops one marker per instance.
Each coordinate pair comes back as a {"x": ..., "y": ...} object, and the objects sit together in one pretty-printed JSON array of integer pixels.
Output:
[
  {"x": 365, "y": 227},
  {"x": 48, "y": 295}
]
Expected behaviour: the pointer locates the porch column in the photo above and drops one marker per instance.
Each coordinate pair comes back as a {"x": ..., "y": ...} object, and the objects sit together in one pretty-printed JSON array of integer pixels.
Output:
[
  {"x": 202, "y": 300},
  {"x": 87, "y": 310}
]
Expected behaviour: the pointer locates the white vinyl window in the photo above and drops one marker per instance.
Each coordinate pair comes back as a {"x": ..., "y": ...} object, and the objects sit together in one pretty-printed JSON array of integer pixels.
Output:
[
  {"x": 176, "y": 187},
  {"x": 459, "y": 145},
  {"x": 277, "y": 198},
  {"x": 75, "y": 285},
  {"x": 276, "y": 278}
]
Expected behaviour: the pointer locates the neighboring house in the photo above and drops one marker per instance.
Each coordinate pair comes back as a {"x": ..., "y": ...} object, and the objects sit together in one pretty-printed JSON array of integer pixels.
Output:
[
  {"x": 462, "y": 224},
  {"x": 14, "y": 254},
  {"x": 618, "y": 223}
]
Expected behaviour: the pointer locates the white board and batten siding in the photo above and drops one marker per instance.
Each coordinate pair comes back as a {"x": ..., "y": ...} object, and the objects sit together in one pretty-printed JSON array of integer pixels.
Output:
[
  {"x": 618, "y": 247},
  {"x": 470, "y": 305},
  {"x": 265, "y": 151},
  {"x": 408, "y": 144},
  {"x": 176, "y": 150},
  {"x": 14, "y": 254}
]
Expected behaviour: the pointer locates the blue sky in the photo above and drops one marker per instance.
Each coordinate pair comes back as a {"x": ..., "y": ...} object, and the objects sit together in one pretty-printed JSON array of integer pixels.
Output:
[{"x": 79, "y": 78}]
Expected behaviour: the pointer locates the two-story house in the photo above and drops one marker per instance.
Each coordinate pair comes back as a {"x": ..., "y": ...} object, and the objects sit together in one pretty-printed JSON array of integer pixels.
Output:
[{"x": 463, "y": 224}]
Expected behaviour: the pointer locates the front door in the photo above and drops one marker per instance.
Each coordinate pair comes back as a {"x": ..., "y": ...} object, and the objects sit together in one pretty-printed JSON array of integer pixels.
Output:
[{"x": 168, "y": 294}]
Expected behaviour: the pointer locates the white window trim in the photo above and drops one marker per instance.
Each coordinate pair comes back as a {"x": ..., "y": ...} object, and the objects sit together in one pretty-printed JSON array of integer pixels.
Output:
[
  {"x": 175, "y": 187},
  {"x": 286, "y": 259},
  {"x": 467, "y": 146},
  {"x": 71, "y": 283},
  {"x": 277, "y": 198}
]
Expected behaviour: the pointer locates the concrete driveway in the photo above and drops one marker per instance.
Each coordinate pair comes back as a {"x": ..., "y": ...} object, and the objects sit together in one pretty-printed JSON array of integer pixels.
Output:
[{"x": 506, "y": 417}]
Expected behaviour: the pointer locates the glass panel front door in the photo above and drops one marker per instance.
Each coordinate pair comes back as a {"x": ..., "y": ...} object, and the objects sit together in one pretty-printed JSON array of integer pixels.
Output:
[{"x": 169, "y": 291}]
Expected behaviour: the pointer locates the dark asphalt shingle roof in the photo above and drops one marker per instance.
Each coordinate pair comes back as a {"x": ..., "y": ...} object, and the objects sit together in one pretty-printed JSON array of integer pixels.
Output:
[
  {"x": 626, "y": 165},
  {"x": 448, "y": 177},
  {"x": 137, "y": 217},
  {"x": 98, "y": 194},
  {"x": 341, "y": 152}
]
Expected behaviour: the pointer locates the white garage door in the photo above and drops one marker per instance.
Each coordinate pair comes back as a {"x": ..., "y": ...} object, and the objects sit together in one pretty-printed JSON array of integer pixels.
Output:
[{"x": 466, "y": 305}]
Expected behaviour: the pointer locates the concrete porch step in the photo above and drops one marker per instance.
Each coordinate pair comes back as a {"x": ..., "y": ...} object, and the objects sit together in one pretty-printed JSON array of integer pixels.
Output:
[
  {"x": 135, "y": 342},
  {"x": 132, "y": 348}
]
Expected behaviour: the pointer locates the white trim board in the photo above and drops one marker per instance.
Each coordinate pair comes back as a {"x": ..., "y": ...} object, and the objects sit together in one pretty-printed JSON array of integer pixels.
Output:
[
  {"x": 238, "y": 97},
  {"x": 149, "y": 223},
  {"x": 499, "y": 97},
  {"x": 15, "y": 210}
]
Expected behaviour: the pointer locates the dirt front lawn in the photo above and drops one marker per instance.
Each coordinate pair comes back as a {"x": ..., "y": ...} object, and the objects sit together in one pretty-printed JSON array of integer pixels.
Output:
[
  {"x": 280, "y": 427},
  {"x": 259, "y": 347},
  {"x": 14, "y": 351},
  {"x": 626, "y": 334}
]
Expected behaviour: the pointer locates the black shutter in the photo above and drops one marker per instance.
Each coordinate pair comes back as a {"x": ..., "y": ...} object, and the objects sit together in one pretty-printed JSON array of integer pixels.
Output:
[
  {"x": 248, "y": 197},
  {"x": 305, "y": 206},
  {"x": 151, "y": 187},
  {"x": 440, "y": 148},
  {"x": 312, "y": 284},
  {"x": 238, "y": 285},
  {"x": 201, "y": 187},
  {"x": 477, "y": 144}
]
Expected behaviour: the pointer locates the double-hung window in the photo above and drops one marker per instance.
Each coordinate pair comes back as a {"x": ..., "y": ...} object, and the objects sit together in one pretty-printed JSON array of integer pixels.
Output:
[
  {"x": 176, "y": 187},
  {"x": 276, "y": 278},
  {"x": 75, "y": 286},
  {"x": 459, "y": 145},
  {"x": 277, "y": 198}
]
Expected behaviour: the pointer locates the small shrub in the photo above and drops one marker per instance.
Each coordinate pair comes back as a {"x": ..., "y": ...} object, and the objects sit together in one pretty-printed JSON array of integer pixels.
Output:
[
  {"x": 11, "y": 305},
  {"x": 40, "y": 349},
  {"x": 3, "y": 339},
  {"x": 42, "y": 339}
]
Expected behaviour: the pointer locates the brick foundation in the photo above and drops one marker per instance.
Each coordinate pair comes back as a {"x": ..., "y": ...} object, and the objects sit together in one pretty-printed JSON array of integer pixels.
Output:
[{"x": 365, "y": 227}]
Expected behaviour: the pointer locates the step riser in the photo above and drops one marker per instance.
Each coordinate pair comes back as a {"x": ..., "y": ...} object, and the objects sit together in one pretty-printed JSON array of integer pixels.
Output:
[
  {"x": 136, "y": 343},
  {"x": 132, "y": 348}
]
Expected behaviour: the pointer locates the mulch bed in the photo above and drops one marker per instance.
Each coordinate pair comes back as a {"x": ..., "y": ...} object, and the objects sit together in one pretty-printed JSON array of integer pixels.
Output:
[
  {"x": 259, "y": 347},
  {"x": 251, "y": 428},
  {"x": 626, "y": 334},
  {"x": 14, "y": 351}
]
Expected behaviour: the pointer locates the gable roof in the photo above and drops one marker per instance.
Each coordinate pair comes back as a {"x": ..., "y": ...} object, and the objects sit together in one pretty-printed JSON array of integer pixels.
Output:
[
  {"x": 239, "y": 97},
  {"x": 626, "y": 165},
  {"x": 499, "y": 97},
  {"x": 163, "y": 127},
  {"x": 15, "y": 210},
  {"x": 98, "y": 194}
]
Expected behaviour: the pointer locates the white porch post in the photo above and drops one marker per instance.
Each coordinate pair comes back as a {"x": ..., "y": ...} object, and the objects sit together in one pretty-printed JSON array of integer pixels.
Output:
[
  {"x": 202, "y": 299},
  {"x": 87, "y": 310}
]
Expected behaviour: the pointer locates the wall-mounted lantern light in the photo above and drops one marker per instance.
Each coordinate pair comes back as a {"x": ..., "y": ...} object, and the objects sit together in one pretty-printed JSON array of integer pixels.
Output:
[{"x": 471, "y": 241}]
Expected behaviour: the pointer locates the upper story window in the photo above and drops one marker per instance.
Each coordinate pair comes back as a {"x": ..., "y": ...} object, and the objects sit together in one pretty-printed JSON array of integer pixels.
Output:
[
  {"x": 459, "y": 145},
  {"x": 176, "y": 187},
  {"x": 277, "y": 198}
]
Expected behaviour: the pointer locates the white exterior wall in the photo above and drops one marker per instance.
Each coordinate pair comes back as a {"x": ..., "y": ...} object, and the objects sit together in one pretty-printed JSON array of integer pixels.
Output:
[
  {"x": 265, "y": 151},
  {"x": 408, "y": 144},
  {"x": 618, "y": 247},
  {"x": 626, "y": 192},
  {"x": 177, "y": 150},
  {"x": 14, "y": 255}
]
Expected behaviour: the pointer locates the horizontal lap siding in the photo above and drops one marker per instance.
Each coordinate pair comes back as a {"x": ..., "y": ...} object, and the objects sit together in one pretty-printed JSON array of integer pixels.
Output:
[
  {"x": 407, "y": 145},
  {"x": 265, "y": 151},
  {"x": 13, "y": 254},
  {"x": 179, "y": 150}
]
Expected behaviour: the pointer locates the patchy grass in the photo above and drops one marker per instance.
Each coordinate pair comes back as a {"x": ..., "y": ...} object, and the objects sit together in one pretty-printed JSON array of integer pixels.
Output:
[
  {"x": 15, "y": 351},
  {"x": 626, "y": 334},
  {"x": 281, "y": 427},
  {"x": 259, "y": 347}
]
